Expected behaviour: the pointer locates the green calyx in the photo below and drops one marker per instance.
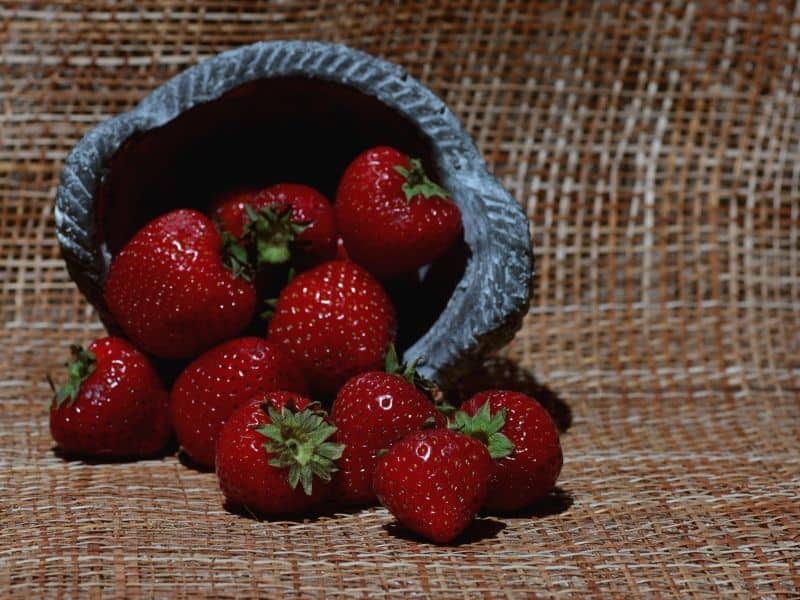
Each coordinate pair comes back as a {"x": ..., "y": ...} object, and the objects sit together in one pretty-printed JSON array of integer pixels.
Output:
[
  {"x": 270, "y": 232},
  {"x": 485, "y": 427},
  {"x": 82, "y": 365},
  {"x": 266, "y": 240},
  {"x": 235, "y": 257},
  {"x": 298, "y": 441},
  {"x": 417, "y": 182},
  {"x": 407, "y": 372}
]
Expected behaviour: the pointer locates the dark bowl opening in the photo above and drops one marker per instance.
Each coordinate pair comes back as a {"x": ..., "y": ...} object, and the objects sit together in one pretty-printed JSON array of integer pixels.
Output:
[{"x": 293, "y": 129}]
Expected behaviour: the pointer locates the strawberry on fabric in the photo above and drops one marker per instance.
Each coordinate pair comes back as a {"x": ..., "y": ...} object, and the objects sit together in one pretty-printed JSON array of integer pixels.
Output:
[
  {"x": 371, "y": 412},
  {"x": 274, "y": 455},
  {"x": 113, "y": 405},
  {"x": 217, "y": 382},
  {"x": 434, "y": 482},
  {"x": 392, "y": 217},
  {"x": 176, "y": 290},
  {"x": 335, "y": 321},
  {"x": 530, "y": 471},
  {"x": 286, "y": 220}
]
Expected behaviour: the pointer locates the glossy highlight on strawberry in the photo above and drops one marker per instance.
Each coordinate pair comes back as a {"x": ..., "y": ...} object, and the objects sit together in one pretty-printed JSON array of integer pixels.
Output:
[{"x": 170, "y": 291}]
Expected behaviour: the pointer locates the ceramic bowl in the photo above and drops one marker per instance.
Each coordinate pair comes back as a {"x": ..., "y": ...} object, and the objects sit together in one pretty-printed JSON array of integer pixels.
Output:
[{"x": 299, "y": 111}]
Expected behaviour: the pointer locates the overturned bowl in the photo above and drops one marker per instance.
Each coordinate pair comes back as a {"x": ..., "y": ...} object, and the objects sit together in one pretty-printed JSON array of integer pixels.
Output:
[{"x": 297, "y": 111}]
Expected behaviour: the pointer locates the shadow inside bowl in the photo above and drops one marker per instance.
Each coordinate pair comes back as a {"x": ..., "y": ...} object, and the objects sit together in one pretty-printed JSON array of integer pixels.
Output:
[{"x": 263, "y": 132}]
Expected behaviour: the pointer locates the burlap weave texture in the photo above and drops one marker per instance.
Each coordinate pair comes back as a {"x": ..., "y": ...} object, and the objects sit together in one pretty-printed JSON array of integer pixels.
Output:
[{"x": 656, "y": 149}]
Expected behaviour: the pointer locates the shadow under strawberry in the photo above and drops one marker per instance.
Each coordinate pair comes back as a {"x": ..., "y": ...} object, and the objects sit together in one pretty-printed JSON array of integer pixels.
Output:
[
  {"x": 479, "y": 530},
  {"x": 555, "y": 502},
  {"x": 169, "y": 450},
  {"x": 505, "y": 374},
  {"x": 309, "y": 516},
  {"x": 187, "y": 462}
]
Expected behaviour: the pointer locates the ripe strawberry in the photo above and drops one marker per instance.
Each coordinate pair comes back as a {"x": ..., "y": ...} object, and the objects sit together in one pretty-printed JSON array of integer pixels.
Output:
[
  {"x": 531, "y": 470},
  {"x": 170, "y": 291},
  {"x": 371, "y": 412},
  {"x": 434, "y": 482},
  {"x": 270, "y": 445},
  {"x": 335, "y": 321},
  {"x": 113, "y": 406},
  {"x": 393, "y": 219},
  {"x": 285, "y": 219},
  {"x": 219, "y": 381},
  {"x": 228, "y": 209}
]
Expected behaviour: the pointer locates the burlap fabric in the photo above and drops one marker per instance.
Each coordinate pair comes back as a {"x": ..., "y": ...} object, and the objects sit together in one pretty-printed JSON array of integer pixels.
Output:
[{"x": 656, "y": 147}]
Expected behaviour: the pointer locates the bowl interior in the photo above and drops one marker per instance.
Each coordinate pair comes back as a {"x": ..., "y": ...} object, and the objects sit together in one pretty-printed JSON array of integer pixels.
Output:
[
  {"x": 271, "y": 130},
  {"x": 278, "y": 129}
]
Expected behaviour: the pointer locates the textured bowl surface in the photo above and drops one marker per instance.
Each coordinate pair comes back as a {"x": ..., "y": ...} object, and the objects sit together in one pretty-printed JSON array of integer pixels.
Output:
[{"x": 300, "y": 110}]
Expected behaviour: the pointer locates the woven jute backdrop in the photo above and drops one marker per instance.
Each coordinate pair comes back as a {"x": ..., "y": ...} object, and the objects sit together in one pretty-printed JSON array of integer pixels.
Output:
[{"x": 656, "y": 149}]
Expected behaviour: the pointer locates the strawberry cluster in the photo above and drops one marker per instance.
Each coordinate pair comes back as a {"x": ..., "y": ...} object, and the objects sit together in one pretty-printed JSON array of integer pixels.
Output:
[{"x": 250, "y": 400}]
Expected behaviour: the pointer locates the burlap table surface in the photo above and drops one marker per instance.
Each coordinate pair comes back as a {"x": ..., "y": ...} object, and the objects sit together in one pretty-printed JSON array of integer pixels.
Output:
[{"x": 656, "y": 149}]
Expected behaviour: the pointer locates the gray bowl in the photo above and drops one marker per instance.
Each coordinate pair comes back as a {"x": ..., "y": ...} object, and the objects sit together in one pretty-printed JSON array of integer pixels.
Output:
[{"x": 299, "y": 111}]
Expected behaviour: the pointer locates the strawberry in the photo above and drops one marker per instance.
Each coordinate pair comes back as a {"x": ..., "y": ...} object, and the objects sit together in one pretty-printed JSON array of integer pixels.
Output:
[
  {"x": 269, "y": 446},
  {"x": 434, "y": 482},
  {"x": 113, "y": 406},
  {"x": 335, "y": 321},
  {"x": 228, "y": 209},
  {"x": 528, "y": 472},
  {"x": 170, "y": 291},
  {"x": 285, "y": 219},
  {"x": 371, "y": 412},
  {"x": 219, "y": 381},
  {"x": 392, "y": 217}
]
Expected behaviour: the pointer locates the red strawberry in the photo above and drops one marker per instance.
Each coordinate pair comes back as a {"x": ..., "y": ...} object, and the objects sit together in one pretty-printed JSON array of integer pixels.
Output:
[
  {"x": 393, "y": 219},
  {"x": 371, "y": 412},
  {"x": 114, "y": 405},
  {"x": 170, "y": 291},
  {"x": 434, "y": 482},
  {"x": 531, "y": 470},
  {"x": 282, "y": 217},
  {"x": 228, "y": 209},
  {"x": 335, "y": 321},
  {"x": 218, "y": 382},
  {"x": 270, "y": 445}
]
